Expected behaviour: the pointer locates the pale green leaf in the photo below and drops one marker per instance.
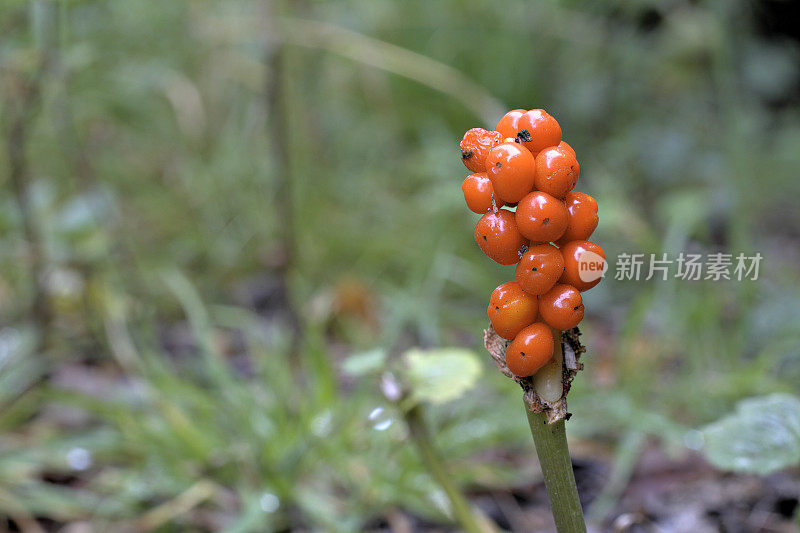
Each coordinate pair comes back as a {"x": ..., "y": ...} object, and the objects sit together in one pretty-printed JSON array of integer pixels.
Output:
[
  {"x": 363, "y": 363},
  {"x": 761, "y": 436},
  {"x": 441, "y": 375}
]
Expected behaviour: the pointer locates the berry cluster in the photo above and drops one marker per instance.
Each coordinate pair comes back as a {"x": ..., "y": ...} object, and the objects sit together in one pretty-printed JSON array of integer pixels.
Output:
[{"x": 522, "y": 183}]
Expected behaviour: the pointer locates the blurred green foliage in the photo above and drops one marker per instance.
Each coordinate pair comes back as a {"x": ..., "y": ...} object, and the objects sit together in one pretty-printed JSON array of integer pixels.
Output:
[
  {"x": 146, "y": 361},
  {"x": 762, "y": 436}
]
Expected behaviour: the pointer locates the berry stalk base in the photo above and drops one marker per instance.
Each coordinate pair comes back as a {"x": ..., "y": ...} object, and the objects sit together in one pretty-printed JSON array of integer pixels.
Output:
[{"x": 571, "y": 349}]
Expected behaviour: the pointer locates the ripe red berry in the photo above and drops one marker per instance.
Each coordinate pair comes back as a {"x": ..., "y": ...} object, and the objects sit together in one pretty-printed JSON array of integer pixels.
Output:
[
  {"x": 566, "y": 147},
  {"x": 543, "y": 129},
  {"x": 476, "y": 145},
  {"x": 539, "y": 268},
  {"x": 542, "y": 217},
  {"x": 511, "y": 309},
  {"x": 583, "y": 218},
  {"x": 512, "y": 169},
  {"x": 498, "y": 237},
  {"x": 583, "y": 264},
  {"x": 561, "y": 307},
  {"x": 530, "y": 350},
  {"x": 557, "y": 171},
  {"x": 508, "y": 124},
  {"x": 478, "y": 193}
]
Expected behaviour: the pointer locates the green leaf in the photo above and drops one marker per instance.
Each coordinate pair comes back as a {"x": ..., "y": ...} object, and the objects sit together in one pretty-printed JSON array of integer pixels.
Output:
[
  {"x": 363, "y": 363},
  {"x": 441, "y": 375},
  {"x": 762, "y": 436}
]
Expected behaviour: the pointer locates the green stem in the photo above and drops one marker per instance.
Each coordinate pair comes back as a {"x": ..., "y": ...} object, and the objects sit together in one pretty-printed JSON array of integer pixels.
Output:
[
  {"x": 462, "y": 510},
  {"x": 559, "y": 480}
]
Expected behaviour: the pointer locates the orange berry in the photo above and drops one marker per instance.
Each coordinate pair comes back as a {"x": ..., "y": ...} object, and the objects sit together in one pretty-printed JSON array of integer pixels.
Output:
[
  {"x": 542, "y": 217},
  {"x": 566, "y": 147},
  {"x": 578, "y": 266},
  {"x": 530, "y": 350},
  {"x": 508, "y": 124},
  {"x": 512, "y": 169},
  {"x": 476, "y": 145},
  {"x": 561, "y": 307},
  {"x": 557, "y": 171},
  {"x": 511, "y": 309},
  {"x": 478, "y": 193},
  {"x": 498, "y": 237},
  {"x": 543, "y": 130},
  {"x": 539, "y": 268},
  {"x": 583, "y": 218}
]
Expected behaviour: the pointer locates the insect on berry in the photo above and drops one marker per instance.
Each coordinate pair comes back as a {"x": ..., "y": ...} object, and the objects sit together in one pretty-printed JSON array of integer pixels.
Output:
[
  {"x": 530, "y": 350},
  {"x": 583, "y": 218},
  {"x": 508, "y": 124},
  {"x": 543, "y": 130},
  {"x": 475, "y": 147},
  {"x": 583, "y": 264},
  {"x": 561, "y": 307},
  {"x": 478, "y": 192},
  {"x": 539, "y": 268},
  {"x": 542, "y": 217},
  {"x": 497, "y": 235},
  {"x": 511, "y": 309},
  {"x": 557, "y": 171},
  {"x": 512, "y": 169}
]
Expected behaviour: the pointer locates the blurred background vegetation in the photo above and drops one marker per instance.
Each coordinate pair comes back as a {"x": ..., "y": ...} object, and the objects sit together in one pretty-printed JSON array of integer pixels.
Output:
[{"x": 219, "y": 221}]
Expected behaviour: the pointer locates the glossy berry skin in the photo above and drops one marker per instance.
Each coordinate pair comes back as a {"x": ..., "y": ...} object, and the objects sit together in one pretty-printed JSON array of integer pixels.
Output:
[
  {"x": 557, "y": 171},
  {"x": 561, "y": 307},
  {"x": 511, "y": 309},
  {"x": 542, "y": 217},
  {"x": 573, "y": 263},
  {"x": 478, "y": 193},
  {"x": 475, "y": 147},
  {"x": 583, "y": 217},
  {"x": 539, "y": 268},
  {"x": 498, "y": 237},
  {"x": 508, "y": 124},
  {"x": 543, "y": 129},
  {"x": 563, "y": 145},
  {"x": 512, "y": 170},
  {"x": 530, "y": 350}
]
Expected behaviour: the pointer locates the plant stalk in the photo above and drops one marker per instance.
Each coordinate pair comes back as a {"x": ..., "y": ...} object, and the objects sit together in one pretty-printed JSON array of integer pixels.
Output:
[
  {"x": 559, "y": 480},
  {"x": 462, "y": 511},
  {"x": 278, "y": 94}
]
